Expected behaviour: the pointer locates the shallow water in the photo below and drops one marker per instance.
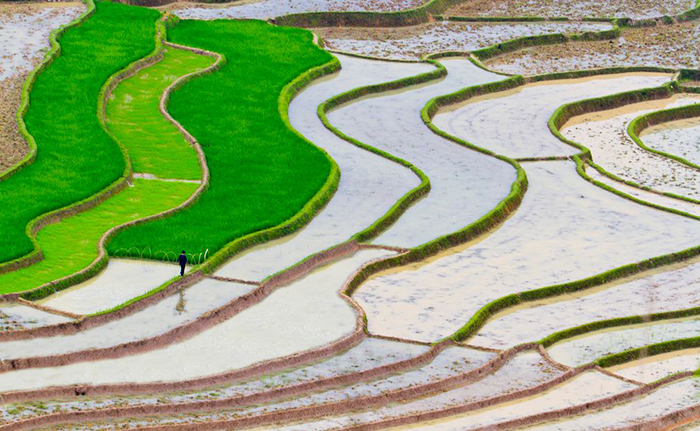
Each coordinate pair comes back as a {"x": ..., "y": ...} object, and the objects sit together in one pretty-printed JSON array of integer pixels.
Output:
[
  {"x": 679, "y": 138},
  {"x": 370, "y": 353},
  {"x": 523, "y": 371},
  {"x": 589, "y": 347},
  {"x": 265, "y": 9},
  {"x": 651, "y": 197},
  {"x": 584, "y": 388},
  {"x": 605, "y": 134},
  {"x": 369, "y": 184},
  {"x": 657, "y": 367},
  {"x": 465, "y": 184},
  {"x": 411, "y": 43},
  {"x": 668, "y": 288},
  {"x": 665, "y": 400},
  {"x": 515, "y": 122},
  {"x": 566, "y": 229},
  {"x": 572, "y": 8},
  {"x": 284, "y": 323},
  {"x": 16, "y": 316},
  {"x": 166, "y": 315},
  {"x": 119, "y": 282}
]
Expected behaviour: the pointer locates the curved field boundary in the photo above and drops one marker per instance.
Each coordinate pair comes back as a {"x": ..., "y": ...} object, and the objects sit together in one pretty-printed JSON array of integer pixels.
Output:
[
  {"x": 212, "y": 318},
  {"x": 568, "y": 111},
  {"x": 309, "y": 412},
  {"x": 101, "y": 260},
  {"x": 479, "y": 319},
  {"x": 508, "y": 205},
  {"x": 433, "y": 9},
  {"x": 637, "y": 126},
  {"x": 419, "y": 191},
  {"x": 53, "y": 52},
  {"x": 35, "y": 225},
  {"x": 366, "y": 402}
]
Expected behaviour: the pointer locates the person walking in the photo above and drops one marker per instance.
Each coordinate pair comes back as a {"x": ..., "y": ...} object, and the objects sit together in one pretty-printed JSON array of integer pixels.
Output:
[{"x": 183, "y": 262}]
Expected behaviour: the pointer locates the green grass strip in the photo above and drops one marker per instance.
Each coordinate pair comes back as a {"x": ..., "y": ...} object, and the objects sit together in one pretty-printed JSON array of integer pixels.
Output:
[
  {"x": 635, "y": 128},
  {"x": 263, "y": 174},
  {"x": 154, "y": 145},
  {"x": 71, "y": 245},
  {"x": 646, "y": 351},
  {"x": 76, "y": 158}
]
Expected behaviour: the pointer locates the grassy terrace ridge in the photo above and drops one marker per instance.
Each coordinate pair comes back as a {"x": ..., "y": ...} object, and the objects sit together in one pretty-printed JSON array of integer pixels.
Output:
[
  {"x": 65, "y": 257},
  {"x": 154, "y": 145},
  {"x": 262, "y": 172},
  {"x": 134, "y": 118},
  {"x": 76, "y": 158}
]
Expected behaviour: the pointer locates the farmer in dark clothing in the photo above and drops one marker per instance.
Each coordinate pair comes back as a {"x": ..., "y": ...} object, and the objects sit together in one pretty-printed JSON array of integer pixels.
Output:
[{"x": 183, "y": 261}]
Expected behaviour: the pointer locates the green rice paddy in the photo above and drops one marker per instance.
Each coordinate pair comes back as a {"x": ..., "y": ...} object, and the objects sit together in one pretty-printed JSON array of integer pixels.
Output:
[
  {"x": 76, "y": 158},
  {"x": 262, "y": 173}
]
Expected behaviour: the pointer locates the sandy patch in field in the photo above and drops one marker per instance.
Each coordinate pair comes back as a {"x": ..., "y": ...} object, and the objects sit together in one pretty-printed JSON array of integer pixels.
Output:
[
  {"x": 663, "y": 46},
  {"x": 679, "y": 138},
  {"x": 669, "y": 288},
  {"x": 605, "y": 134},
  {"x": 265, "y": 9},
  {"x": 566, "y": 229},
  {"x": 369, "y": 184},
  {"x": 571, "y": 8},
  {"x": 24, "y": 39},
  {"x": 410, "y": 43},
  {"x": 515, "y": 122},
  {"x": 662, "y": 401},
  {"x": 465, "y": 184}
]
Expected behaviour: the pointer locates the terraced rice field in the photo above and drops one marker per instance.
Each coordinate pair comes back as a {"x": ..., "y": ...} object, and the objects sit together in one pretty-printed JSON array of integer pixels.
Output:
[{"x": 383, "y": 228}]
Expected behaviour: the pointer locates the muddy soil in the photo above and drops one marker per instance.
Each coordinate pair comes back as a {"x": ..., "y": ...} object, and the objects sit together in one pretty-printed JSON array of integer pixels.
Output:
[
  {"x": 24, "y": 31},
  {"x": 410, "y": 43},
  {"x": 673, "y": 46},
  {"x": 636, "y": 9}
]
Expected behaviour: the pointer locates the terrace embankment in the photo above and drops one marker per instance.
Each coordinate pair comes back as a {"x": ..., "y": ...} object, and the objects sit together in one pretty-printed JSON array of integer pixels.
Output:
[
  {"x": 465, "y": 184},
  {"x": 23, "y": 41},
  {"x": 605, "y": 134},
  {"x": 576, "y": 9},
  {"x": 266, "y": 9},
  {"x": 411, "y": 43},
  {"x": 669, "y": 46},
  {"x": 369, "y": 186},
  {"x": 587, "y": 231},
  {"x": 680, "y": 138}
]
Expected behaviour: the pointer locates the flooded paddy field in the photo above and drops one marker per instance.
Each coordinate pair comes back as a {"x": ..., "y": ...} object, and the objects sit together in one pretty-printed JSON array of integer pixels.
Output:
[
  {"x": 576, "y": 9},
  {"x": 670, "y": 46},
  {"x": 268, "y": 339},
  {"x": 605, "y": 134},
  {"x": 680, "y": 138},
  {"x": 412, "y": 43},
  {"x": 566, "y": 229}
]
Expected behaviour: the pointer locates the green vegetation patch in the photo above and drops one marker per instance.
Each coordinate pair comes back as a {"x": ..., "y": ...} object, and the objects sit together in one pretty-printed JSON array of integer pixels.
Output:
[
  {"x": 154, "y": 145},
  {"x": 71, "y": 245},
  {"x": 262, "y": 173},
  {"x": 76, "y": 158}
]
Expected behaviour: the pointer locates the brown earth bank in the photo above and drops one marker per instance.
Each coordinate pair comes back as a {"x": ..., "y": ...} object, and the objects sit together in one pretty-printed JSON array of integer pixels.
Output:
[
  {"x": 24, "y": 39},
  {"x": 571, "y": 8},
  {"x": 672, "y": 46}
]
